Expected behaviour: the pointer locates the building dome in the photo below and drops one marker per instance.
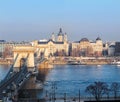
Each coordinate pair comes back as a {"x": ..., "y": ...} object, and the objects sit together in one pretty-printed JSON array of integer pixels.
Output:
[
  {"x": 98, "y": 38},
  {"x": 84, "y": 40}
]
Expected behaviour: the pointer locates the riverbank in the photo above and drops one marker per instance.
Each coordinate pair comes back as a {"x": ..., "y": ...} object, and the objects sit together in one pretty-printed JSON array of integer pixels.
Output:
[
  {"x": 81, "y": 60},
  {"x": 5, "y": 62}
]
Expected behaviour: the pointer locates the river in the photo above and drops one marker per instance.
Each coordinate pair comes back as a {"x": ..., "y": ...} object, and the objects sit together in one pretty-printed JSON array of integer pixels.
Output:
[
  {"x": 70, "y": 79},
  {"x": 3, "y": 71}
]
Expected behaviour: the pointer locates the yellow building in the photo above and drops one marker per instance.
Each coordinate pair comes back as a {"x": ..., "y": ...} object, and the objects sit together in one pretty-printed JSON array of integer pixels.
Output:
[
  {"x": 97, "y": 47},
  {"x": 55, "y": 46},
  {"x": 86, "y": 48}
]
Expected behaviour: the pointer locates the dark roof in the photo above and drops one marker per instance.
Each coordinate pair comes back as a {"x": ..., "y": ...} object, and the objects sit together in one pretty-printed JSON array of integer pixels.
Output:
[
  {"x": 112, "y": 46},
  {"x": 42, "y": 42},
  {"x": 46, "y": 42},
  {"x": 84, "y": 39},
  {"x": 2, "y": 41},
  {"x": 98, "y": 38},
  {"x": 59, "y": 42}
]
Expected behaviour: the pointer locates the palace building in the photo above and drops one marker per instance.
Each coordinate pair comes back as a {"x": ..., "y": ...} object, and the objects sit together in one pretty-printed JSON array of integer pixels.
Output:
[
  {"x": 84, "y": 47},
  {"x": 59, "y": 46},
  {"x": 55, "y": 46}
]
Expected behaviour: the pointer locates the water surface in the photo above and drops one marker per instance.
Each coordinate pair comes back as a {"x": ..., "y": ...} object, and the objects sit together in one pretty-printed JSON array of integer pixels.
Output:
[
  {"x": 72, "y": 78},
  {"x": 3, "y": 70}
]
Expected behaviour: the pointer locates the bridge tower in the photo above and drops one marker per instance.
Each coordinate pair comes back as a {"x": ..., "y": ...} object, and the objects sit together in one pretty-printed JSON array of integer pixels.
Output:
[{"x": 26, "y": 53}]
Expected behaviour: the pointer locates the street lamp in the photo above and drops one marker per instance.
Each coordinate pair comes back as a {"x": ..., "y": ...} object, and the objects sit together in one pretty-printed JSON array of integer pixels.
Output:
[
  {"x": 64, "y": 97},
  {"x": 79, "y": 95},
  {"x": 12, "y": 91},
  {"x": 46, "y": 93},
  {"x": 4, "y": 96},
  {"x": 50, "y": 96},
  {"x": 54, "y": 87}
]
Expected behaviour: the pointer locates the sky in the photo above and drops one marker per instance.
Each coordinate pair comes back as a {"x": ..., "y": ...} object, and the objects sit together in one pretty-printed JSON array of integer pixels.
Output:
[{"x": 38, "y": 19}]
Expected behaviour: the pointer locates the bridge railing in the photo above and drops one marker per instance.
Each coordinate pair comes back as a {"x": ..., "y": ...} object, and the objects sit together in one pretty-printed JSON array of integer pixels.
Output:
[
  {"x": 27, "y": 76},
  {"x": 10, "y": 72},
  {"x": 23, "y": 71},
  {"x": 15, "y": 77}
]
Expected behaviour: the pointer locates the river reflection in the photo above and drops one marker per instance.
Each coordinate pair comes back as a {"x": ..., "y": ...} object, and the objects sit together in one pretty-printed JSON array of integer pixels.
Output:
[
  {"x": 3, "y": 70},
  {"x": 70, "y": 78}
]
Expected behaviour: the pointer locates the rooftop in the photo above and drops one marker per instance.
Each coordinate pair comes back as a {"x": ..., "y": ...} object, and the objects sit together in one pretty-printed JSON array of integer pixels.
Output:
[
  {"x": 98, "y": 38},
  {"x": 84, "y": 40}
]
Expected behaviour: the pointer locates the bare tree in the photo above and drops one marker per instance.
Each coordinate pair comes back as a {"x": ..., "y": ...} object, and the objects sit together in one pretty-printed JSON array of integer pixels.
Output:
[
  {"x": 115, "y": 87},
  {"x": 7, "y": 51},
  {"x": 98, "y": 89}
]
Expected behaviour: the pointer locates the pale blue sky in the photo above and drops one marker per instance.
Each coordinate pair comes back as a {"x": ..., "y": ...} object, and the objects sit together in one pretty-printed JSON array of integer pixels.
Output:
[{"x": 37, "y": 19}]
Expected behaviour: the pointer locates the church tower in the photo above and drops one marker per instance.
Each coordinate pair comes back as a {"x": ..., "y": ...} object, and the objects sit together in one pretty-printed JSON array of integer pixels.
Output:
[
  {"x": 60, "y": 36},
  {"x": 65, "y": 37},
  {"x": 53, "y": 37}
]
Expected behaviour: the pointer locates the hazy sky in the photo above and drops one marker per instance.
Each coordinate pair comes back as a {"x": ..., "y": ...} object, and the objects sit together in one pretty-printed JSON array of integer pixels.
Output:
[{"x": 37, "y": 19}]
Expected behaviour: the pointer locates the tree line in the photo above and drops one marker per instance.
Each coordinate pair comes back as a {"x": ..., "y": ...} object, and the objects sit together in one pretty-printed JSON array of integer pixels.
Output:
[{"x": 100, "y": 89}]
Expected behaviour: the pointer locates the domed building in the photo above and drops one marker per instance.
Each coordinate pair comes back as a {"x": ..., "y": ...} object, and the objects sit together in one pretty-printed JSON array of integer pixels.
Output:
[
  {"x": 97, "y": 47},
  {"x": 81, "y": 47},
  {"x": 84, "y": 43},
  {"x": 52, "y": 46},
  {"x": 86, "y": 48},
  {"x": 84, "y": 40}
]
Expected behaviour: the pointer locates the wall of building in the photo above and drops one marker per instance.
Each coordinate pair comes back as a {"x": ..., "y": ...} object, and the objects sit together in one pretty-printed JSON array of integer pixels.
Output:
[
  {"x": 111, "y": 51},
  {"x": 117, "y": 48},
  {"x": 86, "y": 48},
  {"x": 53, "y": 47}
]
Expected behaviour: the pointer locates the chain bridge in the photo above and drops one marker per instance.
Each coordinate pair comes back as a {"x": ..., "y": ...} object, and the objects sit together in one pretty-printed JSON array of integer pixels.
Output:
[{"x": 19, "y": 72}]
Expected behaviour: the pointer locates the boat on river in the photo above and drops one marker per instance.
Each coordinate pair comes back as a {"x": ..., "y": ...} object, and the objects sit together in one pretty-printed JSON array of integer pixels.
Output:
[
  {"x": 98, "y": 65},
  {"x": 75, "y": 63},
  {"x": 116, "y": 63}
]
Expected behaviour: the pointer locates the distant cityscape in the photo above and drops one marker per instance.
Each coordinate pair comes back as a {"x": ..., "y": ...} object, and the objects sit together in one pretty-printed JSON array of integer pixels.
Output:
[
  {"x": 59, "y": 45},
  {"x": 59, "y": 50}
]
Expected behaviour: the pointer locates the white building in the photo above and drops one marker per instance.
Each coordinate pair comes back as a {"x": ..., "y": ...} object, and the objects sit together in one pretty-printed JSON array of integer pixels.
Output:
[
  {"x": 59, "y": 47},
  {"x": 111, "y": 50}
]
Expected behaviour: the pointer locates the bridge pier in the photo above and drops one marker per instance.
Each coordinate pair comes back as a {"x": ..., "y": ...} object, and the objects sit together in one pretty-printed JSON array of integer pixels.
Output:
[{"x": 23, "y": 52}]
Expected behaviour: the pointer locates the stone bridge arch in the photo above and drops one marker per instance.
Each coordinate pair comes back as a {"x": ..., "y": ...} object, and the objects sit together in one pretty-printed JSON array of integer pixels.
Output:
[{"x": 26, "y": 53}]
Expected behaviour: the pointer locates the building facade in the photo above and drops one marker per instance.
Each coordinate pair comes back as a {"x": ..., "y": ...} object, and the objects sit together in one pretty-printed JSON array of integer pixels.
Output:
[
  {"x": 55, "y": 46},
  {"x": 86, "y": 48},
  {"x": 117, "y": 48},
  {"x": 6, "y": 48},
  {"x": 111, "y": 50}
]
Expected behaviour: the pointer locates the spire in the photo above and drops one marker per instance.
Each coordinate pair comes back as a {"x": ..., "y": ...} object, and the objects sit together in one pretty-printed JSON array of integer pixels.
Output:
[
  {"x": 98, "y": 38},
  {"x": 53, "y": 36},
  {"x": 65, "y": 37},
  {"x": 60, "y": 32},
  {"x": 60, "y": 36}
]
